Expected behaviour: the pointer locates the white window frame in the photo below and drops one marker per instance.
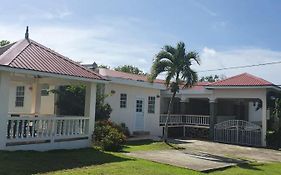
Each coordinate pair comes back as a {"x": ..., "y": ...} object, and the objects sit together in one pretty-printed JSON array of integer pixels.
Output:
[
  {"x": 20, "y": 92},
  {"x": 123, "y": 100},
  {"x": 45, "y": 90},
  {"x": 151, "y": 102}
]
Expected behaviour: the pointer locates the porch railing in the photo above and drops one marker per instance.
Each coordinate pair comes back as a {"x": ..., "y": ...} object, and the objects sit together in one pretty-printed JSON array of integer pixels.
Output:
[
  {"x": 183, "y": 119},
  {"x": 48, "y": 129}
]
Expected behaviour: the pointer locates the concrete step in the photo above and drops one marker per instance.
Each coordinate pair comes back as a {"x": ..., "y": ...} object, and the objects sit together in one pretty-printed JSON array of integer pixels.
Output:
[{"x": 141, "y": 133}]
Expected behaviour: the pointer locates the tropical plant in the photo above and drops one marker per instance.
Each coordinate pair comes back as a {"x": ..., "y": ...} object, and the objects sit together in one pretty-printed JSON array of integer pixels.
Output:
[
  {"x": 103, "y": 110},
  {"x": 176, "y": 63}
]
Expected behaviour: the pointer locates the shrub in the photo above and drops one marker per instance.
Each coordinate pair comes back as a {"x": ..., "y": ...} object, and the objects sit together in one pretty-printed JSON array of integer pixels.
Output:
[
  {"x": 125, "y": 129},
  {"x": 274, "y": 139},
  {"x": 108, "y": 136}
]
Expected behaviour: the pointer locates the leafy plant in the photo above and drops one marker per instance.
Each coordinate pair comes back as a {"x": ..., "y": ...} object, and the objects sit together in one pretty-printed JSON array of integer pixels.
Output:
[{"x": 108, "y": 136}]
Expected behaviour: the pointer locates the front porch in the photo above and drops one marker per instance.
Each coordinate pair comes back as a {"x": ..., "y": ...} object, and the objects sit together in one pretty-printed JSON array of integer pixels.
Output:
[
  {"x": 30, "y": 119},
  {"x": 228, "y": 120}
]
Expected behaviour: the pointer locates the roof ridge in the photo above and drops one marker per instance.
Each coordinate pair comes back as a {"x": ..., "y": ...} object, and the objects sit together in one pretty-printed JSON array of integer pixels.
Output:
[
  {"x": 229, "y": 78},
  {"x": 257, "y": 78},
  {"x": 65, "y": 58},
  {"x": 15, "y": 44},
  {"x": 243, "y": 76}
]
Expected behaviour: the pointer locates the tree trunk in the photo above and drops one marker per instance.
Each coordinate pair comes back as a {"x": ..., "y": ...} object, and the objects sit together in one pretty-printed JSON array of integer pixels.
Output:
[{"x": 168, "y": 117}]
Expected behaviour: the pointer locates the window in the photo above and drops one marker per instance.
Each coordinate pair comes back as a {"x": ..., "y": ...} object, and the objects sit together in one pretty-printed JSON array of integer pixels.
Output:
[
  {"x": 45, "y": 90},
  {"x": 139, "y": 106},
  {"x": 19, "y": 96},
  {"x": 151, "y": 104},
  {"x": 123, "y": 100}
]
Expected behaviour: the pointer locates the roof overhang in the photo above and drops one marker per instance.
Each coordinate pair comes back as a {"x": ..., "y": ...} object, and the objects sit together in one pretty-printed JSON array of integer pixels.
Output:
[
  {"x": 245, "y": 87},
  {"x": 137, "y": 83},
  {"x": 48, "y": 74}
]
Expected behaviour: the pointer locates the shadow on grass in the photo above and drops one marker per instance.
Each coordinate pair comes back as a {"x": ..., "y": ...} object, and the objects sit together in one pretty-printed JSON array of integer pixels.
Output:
[
  {"x": 141, "y": 142},
  {"x": 31, "y": 162}
]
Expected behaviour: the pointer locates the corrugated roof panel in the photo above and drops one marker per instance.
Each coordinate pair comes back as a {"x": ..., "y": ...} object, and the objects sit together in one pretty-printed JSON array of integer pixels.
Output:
[
  {"x": 244, "y": 79},
  {"x": 30, "y": 55}
]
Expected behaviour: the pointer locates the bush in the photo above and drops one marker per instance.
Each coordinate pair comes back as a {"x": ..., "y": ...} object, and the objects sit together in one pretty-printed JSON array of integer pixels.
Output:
[
  {"x": 108, "y": 136},
  {"x": 125, "y": 129},
  {"x": 274, "y": 139}
]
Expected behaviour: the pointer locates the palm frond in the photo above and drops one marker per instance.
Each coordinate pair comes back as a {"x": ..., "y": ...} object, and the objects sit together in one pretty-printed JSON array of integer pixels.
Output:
[
  {"x": 193, "y": 56},
  {"x": 169, "y": 49},
  {"x": 159, "y": 67}
]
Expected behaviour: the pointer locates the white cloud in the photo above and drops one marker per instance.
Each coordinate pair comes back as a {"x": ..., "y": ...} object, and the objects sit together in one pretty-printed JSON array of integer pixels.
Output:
[
  {"x": 213, "y": 59},
  {"x": 204, "y": 8},
  {"x": 105, "y": 43}
]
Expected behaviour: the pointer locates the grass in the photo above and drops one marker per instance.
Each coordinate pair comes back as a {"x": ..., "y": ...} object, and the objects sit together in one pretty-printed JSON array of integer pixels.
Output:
[
  {"x": 145, "y": 145},
  {"x": 92, "y": 161}
]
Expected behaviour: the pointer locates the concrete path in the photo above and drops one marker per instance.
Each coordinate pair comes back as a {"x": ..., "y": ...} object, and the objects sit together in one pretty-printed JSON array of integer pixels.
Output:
[
  {"x": 250, "y": 153},
  {"x": 196, "y": 161}
]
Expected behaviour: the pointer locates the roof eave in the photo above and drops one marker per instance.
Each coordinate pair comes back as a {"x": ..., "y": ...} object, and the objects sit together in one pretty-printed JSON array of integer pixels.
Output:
[
  {"x": 49, "y": 74},
  {"x": 244, "y": 87}
]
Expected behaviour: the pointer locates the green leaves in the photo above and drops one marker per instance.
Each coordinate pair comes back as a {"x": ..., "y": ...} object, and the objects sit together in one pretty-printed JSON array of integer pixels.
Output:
[{"x": 175, "y": 62}]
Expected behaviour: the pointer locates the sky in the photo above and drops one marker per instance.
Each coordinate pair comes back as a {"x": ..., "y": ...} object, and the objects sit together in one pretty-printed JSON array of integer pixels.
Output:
[{"x": 118, "y": 32}]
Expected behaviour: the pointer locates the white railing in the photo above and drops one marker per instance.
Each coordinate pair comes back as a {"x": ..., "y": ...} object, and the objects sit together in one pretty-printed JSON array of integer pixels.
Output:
[
  {"x": 183, "y": 119},
  {"x": 50, "y": 129}
]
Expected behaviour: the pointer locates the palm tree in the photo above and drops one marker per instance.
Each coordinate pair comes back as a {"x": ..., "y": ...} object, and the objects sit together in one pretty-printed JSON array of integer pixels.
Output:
[{"x": 175, "y": 62}]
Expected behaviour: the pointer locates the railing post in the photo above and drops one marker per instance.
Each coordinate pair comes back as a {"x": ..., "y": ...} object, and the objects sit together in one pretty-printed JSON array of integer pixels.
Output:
[
  {"x": 212, "y": 118},
  {"x": 4, "y": 107}
]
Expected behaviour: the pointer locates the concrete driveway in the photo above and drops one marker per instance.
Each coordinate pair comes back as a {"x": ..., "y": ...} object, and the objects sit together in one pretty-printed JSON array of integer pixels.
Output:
[
  {"x": 198, "y": 162},
  {"x": 205, "y": 156},
  {"x": 234, "y": 151}
]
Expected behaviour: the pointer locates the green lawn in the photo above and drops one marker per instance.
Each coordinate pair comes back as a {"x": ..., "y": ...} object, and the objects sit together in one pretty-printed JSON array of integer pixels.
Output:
[{"x": 92, "y": 161}]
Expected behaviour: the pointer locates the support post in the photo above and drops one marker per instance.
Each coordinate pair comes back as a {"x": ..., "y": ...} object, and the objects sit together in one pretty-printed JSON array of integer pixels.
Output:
[
  {"x": 264, "y": 124},
  {"x": 212, "y": 118},
  {"x": 90, "y": 107},
  {"x": 4, "y": 107},
  {"x": 36, "y": 97}
]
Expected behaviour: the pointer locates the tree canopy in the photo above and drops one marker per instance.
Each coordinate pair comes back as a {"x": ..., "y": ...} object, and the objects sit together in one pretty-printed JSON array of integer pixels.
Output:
[
  {"x": 130, "y": 69},
  {"x": 212, "y": 78},
  {"x": 4, "y": 42}
]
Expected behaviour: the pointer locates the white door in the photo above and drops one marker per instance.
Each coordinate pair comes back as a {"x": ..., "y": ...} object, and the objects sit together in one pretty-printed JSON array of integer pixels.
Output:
[{"x": 139, "y": 121}]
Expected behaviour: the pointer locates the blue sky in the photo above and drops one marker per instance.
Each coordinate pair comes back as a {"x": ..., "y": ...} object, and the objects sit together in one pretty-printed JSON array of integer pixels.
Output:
[{"x": 116, "y": 32}]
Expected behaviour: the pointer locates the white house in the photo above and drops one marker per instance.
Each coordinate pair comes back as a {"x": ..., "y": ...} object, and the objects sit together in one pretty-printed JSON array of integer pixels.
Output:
[
  {"x": 134, "y": 100},
  {"x": 227, "y": 110},
  {"x": 28, "y": 120}
]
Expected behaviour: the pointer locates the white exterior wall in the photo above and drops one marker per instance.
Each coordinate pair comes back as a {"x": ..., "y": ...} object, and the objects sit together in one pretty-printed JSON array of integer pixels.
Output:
[
  {"x": 254, "y": 115},
  {"x": 47, "y": 102},
  {"x": 127, "y": 115}
]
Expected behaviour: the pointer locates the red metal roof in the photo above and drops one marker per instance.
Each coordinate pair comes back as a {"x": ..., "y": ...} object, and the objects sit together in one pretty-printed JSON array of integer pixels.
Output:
[
  {"x": 244, "y": 79},
  {"x": 128, "y": 76},
  {"x": 30, "y": 55}
]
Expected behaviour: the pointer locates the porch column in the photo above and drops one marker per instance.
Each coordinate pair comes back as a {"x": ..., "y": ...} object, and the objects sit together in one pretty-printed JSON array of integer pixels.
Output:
[
  {"x": 212, "y": 118},
  {"x": 90, "y": 106},
  {"x": 4, "y": 107},
  {"x": 36, "y": 97},
  {"x": 264, "y": 124}
]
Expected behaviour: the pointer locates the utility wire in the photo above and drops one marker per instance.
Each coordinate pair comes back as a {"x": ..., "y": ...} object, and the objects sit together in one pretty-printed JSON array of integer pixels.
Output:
[{"x": 240, "y": 67}]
